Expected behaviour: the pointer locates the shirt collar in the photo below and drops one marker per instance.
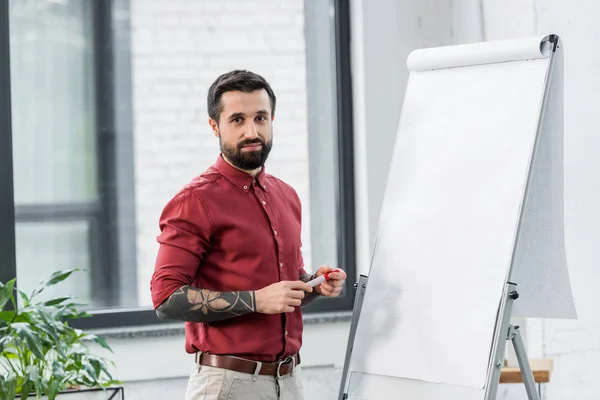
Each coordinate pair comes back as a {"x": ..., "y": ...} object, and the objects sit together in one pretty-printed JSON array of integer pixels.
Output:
[{"x": 239, "y": 178}]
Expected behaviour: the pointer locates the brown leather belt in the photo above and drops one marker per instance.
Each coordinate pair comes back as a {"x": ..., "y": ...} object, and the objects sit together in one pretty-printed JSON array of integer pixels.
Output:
[{"x": 277, "y": 369}]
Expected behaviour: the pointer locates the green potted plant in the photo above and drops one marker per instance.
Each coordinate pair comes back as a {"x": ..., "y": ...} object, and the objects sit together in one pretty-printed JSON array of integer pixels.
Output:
[{"x": 40, "y": 354}]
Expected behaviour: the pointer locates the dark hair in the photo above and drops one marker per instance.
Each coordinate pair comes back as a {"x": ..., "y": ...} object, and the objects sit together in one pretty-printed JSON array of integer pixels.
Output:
[{"x": 242, "y": 80}]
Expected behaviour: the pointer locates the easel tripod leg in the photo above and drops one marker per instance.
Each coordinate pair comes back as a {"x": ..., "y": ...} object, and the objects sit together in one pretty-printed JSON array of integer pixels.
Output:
[
  {"x": 526, "y": 372},
  {"x": 361, "y": 286}
]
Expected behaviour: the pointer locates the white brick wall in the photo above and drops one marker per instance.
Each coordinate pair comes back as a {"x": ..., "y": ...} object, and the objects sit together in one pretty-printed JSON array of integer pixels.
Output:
[{"x": 179, "y": 48}]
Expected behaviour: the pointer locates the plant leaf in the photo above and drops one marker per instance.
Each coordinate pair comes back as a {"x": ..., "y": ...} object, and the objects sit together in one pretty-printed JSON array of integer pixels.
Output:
[
  {"x": 9, "y": 355},
  {"x": 4, "y": 338},
  {"x": 33, "y": 375},
  {"x": 54, "y": 302},
  {"x": 102, "y": 343},
  {"x": 24, "y": 297},
  {"x": 69, "y": 311},
  {"x": 22, "y": 316},
  {"x": 8, "y": 386},
  {"x": 90, "y": 337},
  {"x": 50, "y": 320},
  {"x": 91, "y": 371},
  {"x": 26, "y": 389},
  {"x": 105, "y": 369},
  {"x": 55, "y": 278},
  {"x": 97, "y": 365},
  {"x": 57, "y": 370},
  {"x": 83, "y": 314},
  {"x": 34, "y": 343},
  {"x": 6, "y": 292},
  {"x": 53, "y": 389},
  {"x": 7, "y": 316},
  {"x": 53, "y": 326}
]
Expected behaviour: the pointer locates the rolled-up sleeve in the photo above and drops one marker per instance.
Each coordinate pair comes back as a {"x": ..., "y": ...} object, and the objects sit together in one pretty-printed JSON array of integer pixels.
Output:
[{"x": 184, "y": 239}]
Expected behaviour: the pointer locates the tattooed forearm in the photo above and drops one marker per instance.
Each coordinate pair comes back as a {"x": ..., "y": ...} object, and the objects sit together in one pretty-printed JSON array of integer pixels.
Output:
[
  {"x": 310, "y": 297},
  {"x": 202, "y": 305}
]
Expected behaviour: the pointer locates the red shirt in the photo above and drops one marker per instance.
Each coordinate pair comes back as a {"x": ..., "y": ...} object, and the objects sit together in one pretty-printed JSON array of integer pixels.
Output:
[{"x": 226, "y": 231}]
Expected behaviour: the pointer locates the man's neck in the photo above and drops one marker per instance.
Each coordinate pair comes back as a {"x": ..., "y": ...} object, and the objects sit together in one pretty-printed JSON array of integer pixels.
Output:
[{"x": 253, "y": 172}]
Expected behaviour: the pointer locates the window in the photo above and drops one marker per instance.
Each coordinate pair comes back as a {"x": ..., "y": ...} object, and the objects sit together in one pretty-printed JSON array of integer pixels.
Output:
[
  {"x": 54, "y": 154},
  {"x": 68, "y": 179},
  {"x": 109, "y": 121}
]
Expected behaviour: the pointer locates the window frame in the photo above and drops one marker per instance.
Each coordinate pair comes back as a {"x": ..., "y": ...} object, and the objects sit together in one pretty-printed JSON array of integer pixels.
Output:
[
  {"x": 117, "y": 201},
  {"x": 345, "y": 218},
  {"x": 114, "y": 143},
  {"x": 8, "y": 260}
]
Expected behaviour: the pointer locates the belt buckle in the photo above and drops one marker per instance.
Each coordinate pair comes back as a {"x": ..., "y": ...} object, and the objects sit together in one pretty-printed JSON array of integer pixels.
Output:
[{"x": 289, "y": 359}]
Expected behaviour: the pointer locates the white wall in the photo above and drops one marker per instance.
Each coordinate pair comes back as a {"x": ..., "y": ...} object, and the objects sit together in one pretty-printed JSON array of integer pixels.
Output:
[
  {"x": 575, "y": 345},
  {"x": 385, "y": 32}
]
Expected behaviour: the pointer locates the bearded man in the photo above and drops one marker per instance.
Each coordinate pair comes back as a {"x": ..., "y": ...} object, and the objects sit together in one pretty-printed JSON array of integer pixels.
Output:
[{"x": 230, "y": 263}]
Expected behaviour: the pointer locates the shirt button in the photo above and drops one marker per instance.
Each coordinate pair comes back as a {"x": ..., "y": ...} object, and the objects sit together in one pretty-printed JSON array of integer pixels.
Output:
[
  {"x": 264, "y": 202},
  {"x": 275, "y": 232},
  {"x": 280, "y": 265},
  {"x": 286, "y": 332},
  {"x": 245, "y": 187}
]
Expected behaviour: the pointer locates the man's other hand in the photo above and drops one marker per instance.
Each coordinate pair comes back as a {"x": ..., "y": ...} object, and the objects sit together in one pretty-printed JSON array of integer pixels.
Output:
[
  {"x": 332, "y": 287},
  {"x": 281, "y": 297}
]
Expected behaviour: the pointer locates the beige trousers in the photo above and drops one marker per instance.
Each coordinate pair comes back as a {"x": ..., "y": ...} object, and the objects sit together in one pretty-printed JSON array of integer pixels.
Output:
[{"x": 211, "y": 383}]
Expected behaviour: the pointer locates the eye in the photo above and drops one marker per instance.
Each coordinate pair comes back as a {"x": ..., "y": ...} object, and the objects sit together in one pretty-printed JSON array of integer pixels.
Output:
[
  {"x": 237, "y": 120},
  {"x": 261, "y": 118}
]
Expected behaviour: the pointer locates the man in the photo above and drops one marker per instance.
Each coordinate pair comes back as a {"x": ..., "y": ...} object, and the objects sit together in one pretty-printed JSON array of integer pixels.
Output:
[{"x": 230, "y": 261}]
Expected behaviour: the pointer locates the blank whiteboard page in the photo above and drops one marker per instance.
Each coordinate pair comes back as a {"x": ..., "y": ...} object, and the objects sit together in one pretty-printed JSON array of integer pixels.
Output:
[{"x": 449, "y": 217}]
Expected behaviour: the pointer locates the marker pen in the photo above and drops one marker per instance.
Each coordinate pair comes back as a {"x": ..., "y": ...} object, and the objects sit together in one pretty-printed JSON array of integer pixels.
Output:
[{"x": 321, "y": 279}]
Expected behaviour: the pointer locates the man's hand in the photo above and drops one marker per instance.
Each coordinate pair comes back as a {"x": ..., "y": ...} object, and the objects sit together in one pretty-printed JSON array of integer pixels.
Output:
[
  {"x": 281, "y": 297},
  {"x": 332, "y": 287}
]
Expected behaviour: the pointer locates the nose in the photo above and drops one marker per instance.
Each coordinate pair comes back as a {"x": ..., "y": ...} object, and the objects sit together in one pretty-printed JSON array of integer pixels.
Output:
[{"x": 251, "y": 131}]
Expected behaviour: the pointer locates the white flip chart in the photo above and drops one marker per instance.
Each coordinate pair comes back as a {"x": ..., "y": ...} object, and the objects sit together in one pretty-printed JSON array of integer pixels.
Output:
[
  {"x": 540, "y": 264},
  {"x": 449, "y": 226}
]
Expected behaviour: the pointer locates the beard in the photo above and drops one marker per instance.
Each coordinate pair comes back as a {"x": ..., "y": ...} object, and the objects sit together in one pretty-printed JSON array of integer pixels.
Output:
[{"x": 247, "y": 160}]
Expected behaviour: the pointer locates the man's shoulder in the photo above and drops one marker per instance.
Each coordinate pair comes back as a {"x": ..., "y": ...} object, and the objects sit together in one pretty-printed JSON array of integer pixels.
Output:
[
  {"x": 198, "y": 188},
  {"x": 203, "y": 181},
  {"x": 282, "y": 185}
]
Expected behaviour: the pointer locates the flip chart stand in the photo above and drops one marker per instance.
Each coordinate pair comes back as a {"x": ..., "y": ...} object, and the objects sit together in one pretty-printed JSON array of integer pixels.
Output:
[
  {"x": 504, "y": 328},
  {"x": 513, "y": 334},
  {"x": 517, "y": 340},
  {"x": 537, "y": 258},
  {"x": 360, "y": 286}
]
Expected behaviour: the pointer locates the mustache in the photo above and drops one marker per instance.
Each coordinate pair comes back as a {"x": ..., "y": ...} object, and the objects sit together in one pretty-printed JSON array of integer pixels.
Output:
[{"x": 248, "y": 142}]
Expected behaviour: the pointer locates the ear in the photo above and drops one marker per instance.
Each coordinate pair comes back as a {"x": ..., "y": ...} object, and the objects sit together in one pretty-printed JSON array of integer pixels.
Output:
[{"x": 214, "y": 126}]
